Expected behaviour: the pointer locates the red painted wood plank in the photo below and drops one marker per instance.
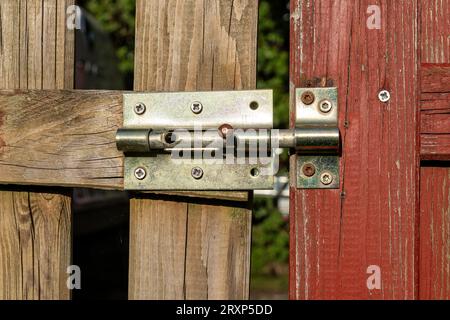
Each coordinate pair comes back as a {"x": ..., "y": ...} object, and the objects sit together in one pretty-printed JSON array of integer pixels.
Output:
[
  {"x": 435, "y": 182},
  {"x": 435, "y": 78},
  {"x": 435, "y": 233},
  {"x": 435, "y": 101},
  {"x": 435, "y": 147},
  {"x": 435, "y": 31},
  {"x": 336, "y": 235},
  {"x": 436, "y": 122}
]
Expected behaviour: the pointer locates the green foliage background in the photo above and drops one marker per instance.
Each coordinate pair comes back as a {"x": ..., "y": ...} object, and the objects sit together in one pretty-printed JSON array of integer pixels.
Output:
[{"x": 270, "y": 232}]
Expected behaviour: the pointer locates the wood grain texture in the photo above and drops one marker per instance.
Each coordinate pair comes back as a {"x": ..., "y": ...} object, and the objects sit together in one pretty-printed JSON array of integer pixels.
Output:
[
  {"x": 435, "y": 78},
  {"x": 435, "y": 233},
  {"x": 36, "y": 52},
  {"x": 69, "y": 138},
  {"x": 435, "y": 31},
  {"x": 337, "y": 234},
  {"x": 203, "y": 251},
  {"x": 435, "y": 145},
  {"x": 435, "y": 112}
]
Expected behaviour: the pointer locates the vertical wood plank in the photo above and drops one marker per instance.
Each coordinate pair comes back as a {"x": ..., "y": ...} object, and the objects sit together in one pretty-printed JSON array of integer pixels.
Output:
[
  {"x": 337, "y": 234},
  {"x": 435, "y": 233},
  {"x": 435, "y": 176},
  {"x": 179, "y": 249},
  {"x": 36, "y": 52},
  {"x": 435, "y": 31}
]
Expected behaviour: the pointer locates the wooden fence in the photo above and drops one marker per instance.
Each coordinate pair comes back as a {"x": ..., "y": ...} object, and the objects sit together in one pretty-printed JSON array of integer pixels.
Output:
[{"x": 184, "y": 245}]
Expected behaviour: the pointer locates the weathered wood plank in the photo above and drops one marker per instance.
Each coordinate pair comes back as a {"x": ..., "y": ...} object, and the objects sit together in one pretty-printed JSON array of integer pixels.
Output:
[
  {"x": 435, "y": 147},
  {"x": 434, "y": 263},
  {"x": 435, "y": 31},
  {"x": 35, "y": 224},
  {"x": 435, "y": 78},
  {"x": 192, "y": 45},
  {"x": 435, "y": 111},
  {"x": 435, "y": 122},
  {"x": 69, "y": 138},
  {"x": 435, "y": 233},
  {"x": 336, "y": 235}
]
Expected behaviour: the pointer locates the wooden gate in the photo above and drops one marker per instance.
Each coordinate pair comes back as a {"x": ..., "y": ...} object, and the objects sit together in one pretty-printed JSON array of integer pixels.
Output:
[
  {"x": 385, "y": 233},
  {"x": 184, "y": 245}
]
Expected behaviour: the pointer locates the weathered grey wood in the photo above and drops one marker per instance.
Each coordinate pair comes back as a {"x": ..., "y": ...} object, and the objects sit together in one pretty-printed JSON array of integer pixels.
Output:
[
  {"x": 69, "y": 138},
  {"x": 36, "y": 52},
  {"x": 61, "y": 138},
  {"x": 178, "y": 249}
]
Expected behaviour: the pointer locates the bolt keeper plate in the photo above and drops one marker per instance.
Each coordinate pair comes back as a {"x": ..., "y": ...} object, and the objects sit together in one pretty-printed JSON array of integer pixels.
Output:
[
  {"x": 311, "y": 113},
  {"x": 171, "y": 111}
]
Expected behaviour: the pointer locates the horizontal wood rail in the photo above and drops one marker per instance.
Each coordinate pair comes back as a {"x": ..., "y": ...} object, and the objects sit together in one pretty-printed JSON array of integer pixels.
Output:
[
  {"x": 67, "y": 138},
  {"x": 435, "y": 112}
]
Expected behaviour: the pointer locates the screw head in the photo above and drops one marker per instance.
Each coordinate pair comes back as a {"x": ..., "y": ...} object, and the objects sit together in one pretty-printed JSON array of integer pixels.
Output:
[
  {"x": 384, "y": 96},
  {"x": 326, "y": 178},
  {"x": 325, "y": 106},
  {"x": 196, "y": 107},
  {"x": 308, "y": 97},
  {"x": 197, "y": 173},
  {"x": 309, "y": 170},
  {"x": 139, "y": 108},
  {"x": 140, "y": 173},
  {"x": 225, "y": 130}
]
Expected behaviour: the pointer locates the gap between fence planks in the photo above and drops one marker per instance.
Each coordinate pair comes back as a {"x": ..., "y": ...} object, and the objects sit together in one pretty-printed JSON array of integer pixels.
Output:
[
  {"x": 177, "y": 249},
  {"x": 36, "y": 52}
]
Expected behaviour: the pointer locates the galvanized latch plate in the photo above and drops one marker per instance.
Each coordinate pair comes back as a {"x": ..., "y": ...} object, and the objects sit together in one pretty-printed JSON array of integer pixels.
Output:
[
  {"x": 197, "y": 111},
  {"x": 317, "y": 107}
]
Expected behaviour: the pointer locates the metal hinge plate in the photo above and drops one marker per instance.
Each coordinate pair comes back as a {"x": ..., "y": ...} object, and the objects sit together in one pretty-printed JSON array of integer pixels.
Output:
[
  {"x": 196, "y": 111},
  {"x": 316, "y": 171}
]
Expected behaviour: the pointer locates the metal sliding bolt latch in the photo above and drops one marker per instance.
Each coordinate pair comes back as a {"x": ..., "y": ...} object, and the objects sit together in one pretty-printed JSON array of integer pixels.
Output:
[{"x": 209, "y": 123}]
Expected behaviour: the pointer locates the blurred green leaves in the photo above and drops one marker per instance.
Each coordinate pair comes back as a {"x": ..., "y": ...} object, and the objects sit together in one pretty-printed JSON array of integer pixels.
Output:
[
  {"x": 117, "y": 18},
  {"x": 273, "y": 56}
]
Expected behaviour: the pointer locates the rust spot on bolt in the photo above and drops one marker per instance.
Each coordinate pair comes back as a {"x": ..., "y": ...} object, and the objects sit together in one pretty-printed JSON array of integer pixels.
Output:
[
  {"x": 309, "y": 170},
  {"x": 308, "y": 97},
  {"x": 225, "y": 130}
]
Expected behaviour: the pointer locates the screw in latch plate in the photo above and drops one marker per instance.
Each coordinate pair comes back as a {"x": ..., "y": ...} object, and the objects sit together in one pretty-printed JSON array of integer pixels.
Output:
[
  {"x": 225, "y": 130},
  {"x": 325, "y": 106},
  {"x": 140, "y": 173},
  {"x": 384, "y": 96},
  {"x": 326, "y": 178},
  {"x": 196, "y": 107},
  {"x": 309, "y": 170},
  {"x": 139, "y": 108},
  {"x": 197, "y": 173},
  {"x": 308, "y": 97}
]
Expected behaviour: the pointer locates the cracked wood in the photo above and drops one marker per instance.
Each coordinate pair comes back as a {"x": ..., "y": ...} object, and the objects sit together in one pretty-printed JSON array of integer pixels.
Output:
[
  {"x": 195, "y": 249},
  {"x": 36, "y": 52},
  {"x": 434, "y": 262},
  {"x": 337, "y": 234}
]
